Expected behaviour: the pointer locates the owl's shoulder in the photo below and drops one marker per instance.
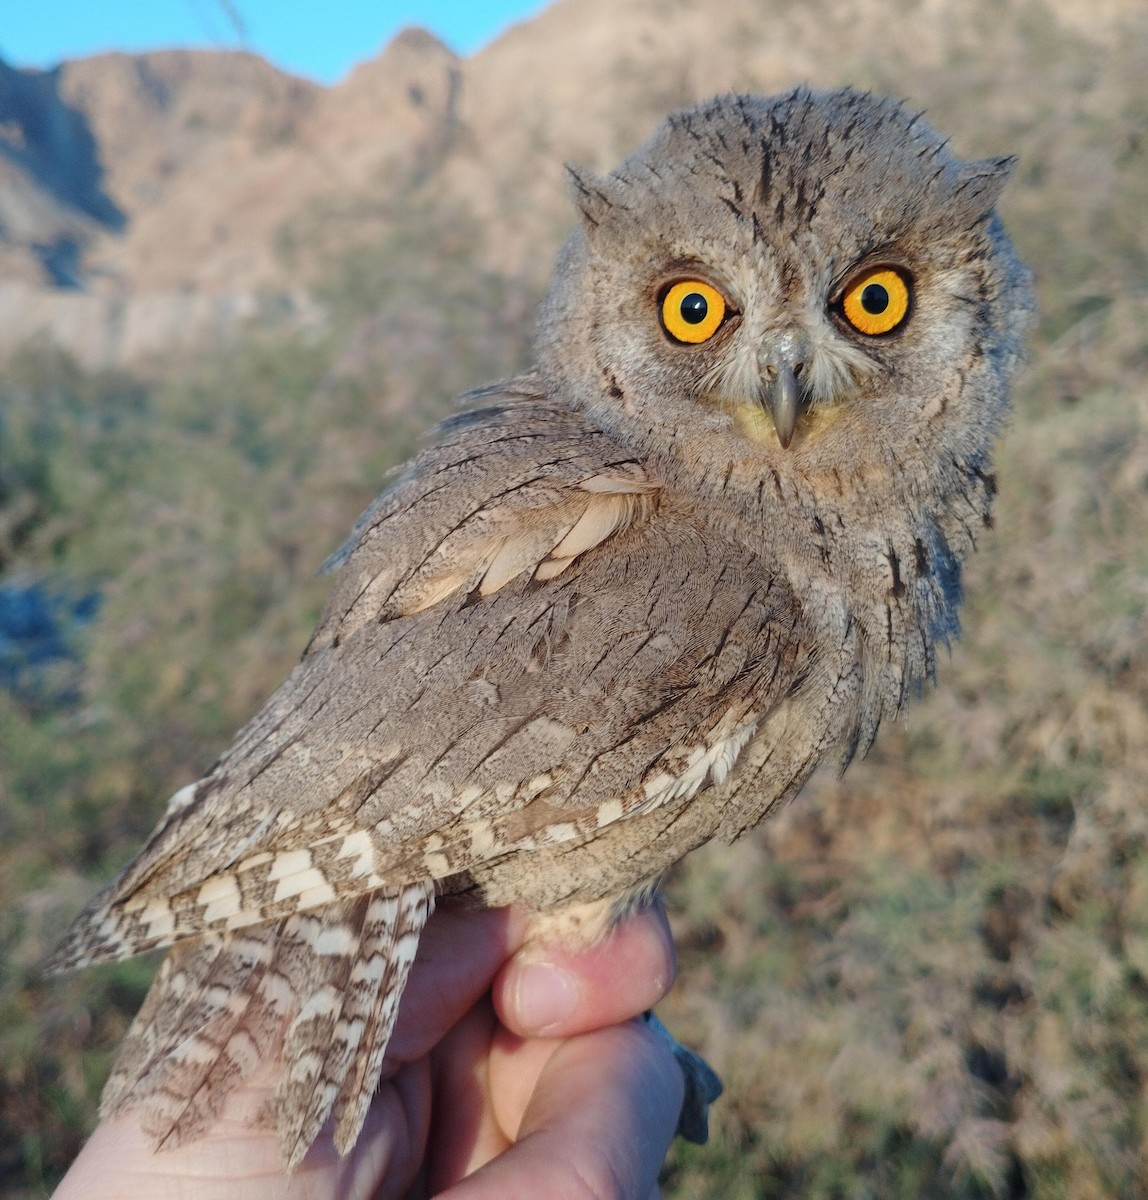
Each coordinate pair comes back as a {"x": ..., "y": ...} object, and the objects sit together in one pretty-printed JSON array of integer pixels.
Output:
[{"x": 517, "y": 483}]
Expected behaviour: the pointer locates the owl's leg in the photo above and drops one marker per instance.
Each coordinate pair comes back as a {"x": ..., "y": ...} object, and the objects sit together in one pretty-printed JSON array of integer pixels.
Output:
[{"x": 703, "y": 1086}]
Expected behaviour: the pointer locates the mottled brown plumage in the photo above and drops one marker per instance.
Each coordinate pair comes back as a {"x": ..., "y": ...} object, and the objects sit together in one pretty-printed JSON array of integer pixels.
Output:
[{"x": 625, "y": 604}]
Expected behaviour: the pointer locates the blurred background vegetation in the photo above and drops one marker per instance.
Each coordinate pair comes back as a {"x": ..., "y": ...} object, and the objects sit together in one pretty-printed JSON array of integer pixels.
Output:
[{"x": 928, "y": 978}]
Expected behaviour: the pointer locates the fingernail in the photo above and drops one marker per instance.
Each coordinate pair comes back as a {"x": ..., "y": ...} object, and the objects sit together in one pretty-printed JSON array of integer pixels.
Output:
[{"x": 545, "y": 996}]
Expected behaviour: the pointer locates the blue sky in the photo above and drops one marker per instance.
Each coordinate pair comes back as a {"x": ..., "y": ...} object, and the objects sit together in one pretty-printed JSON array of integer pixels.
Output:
[{"x": 321, "y": 39}]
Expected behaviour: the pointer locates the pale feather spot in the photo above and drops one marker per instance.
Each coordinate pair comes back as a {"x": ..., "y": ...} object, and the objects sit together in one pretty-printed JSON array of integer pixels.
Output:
[
  {"x": 358, "y": 846},
  {"x": 324, "y": 1002},
  {"x": 243, "y": 1051},
  {"x": 241, "y": 919},
  {"x": 278, "y": 991},
  {"x": 306, "y": 881},
  {"x": 372, "y": 968},
  {"x": 417, "y": 904},
  {"x": 315, "y": 895},
  {"x": 728, "y": 750},
  {"x": 705, "y": 761},
  {"x": 536, "y": 786},
  {"x": 388, "y": 1008},
  {"x": 179, "y": 984},
  {"x": 307, "y": 925},
  {"x": 256, "y": 860},
  {"x": 564, "y": 831},
  {"x": 602, "y": 518},
  {"x": 350, "y": 1033},
  {"x": 220, "y": 898},
  {"x": 482, "y": 691},
  {"x": 654, "y": 788},
  {"x": 690, "y": 781},
  {"x": 296, "y": 756},
  {"x": 514, "y": 556},
  {"x": 438, "y": 591},
  {"x": 482, "y": 840},
  {"x": 306, "y": 1066},
  {"x": 158, "y": 916},
  {"x": 608, "y": 812},
  {"x": 546, "y": 731},
  {"x": 462, "y": 800},
  {"x": 198, "y": 1050},
  {"x": 182, "y": 799},
  {"x": 108, "y": 937},
  {"x": 551, "y": 568},
  {"x": 407, "y": 943},
  {"x": 289, "y": 862},
  {"x": 437, "y": 865},
  {"x": 504, "y": 793},
  {"x": 336, "y": 940},
  {"x": 223, "y": 997},
  {"x": 384, "y": 909}
]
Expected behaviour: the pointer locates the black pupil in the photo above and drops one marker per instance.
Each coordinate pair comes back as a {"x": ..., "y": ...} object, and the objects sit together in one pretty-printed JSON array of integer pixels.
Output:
[
  {"x": 694, "y": 308},
  {"x": 874, "y": 299}
]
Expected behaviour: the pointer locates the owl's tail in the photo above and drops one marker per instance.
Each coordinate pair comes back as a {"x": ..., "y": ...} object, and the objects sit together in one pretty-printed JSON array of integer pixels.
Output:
[{"x": 324, "y": 984}]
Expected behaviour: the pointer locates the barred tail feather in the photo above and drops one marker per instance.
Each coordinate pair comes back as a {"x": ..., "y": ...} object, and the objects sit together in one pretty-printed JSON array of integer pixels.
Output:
[
  {"x": 393, "y": 943},
  {"x": 211, "y": 1016},
  {"x": 334, "y": 1047},
  {"x": 323, "y": 984}
]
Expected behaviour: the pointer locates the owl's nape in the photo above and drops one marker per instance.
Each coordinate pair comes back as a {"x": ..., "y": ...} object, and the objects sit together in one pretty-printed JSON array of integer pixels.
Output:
[{"x": 625, "y": 604}]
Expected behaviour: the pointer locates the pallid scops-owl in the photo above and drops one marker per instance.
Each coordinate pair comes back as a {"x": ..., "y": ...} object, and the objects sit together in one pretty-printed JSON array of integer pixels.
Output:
[{"x": 624, "y": 604}]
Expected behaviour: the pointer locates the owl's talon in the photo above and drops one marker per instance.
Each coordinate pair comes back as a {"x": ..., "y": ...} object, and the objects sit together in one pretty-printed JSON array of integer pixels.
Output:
[{"x": 703, "y": 1086}]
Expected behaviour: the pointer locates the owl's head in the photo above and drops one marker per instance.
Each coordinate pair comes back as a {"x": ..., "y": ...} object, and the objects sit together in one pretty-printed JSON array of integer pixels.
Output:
[{"x": 805, "y": 278}]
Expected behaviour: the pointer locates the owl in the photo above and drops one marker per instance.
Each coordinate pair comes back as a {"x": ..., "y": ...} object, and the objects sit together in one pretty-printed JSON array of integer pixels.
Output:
[{"x": 624, "y": 604}]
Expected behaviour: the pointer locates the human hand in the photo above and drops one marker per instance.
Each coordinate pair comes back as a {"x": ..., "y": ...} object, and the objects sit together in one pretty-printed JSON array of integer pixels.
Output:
[{"x": 514, "y": 1071}]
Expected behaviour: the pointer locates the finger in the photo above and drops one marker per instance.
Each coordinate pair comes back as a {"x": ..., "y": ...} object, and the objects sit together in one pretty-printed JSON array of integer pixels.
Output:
[
  {"x": 599, "y": 1122},
  {"x": 460, "y": 951},
  {"x": 551, "y": 991},
  {"x": 465, "y": 1132},
  {"x": 471, "y": 1130},
  {"x": 515, "y": 1070}
]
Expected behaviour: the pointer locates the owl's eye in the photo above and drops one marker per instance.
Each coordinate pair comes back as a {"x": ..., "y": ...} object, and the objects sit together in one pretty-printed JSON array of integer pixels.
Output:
[
  {"x": 692, "y": 311},
  {"x": 877, "y": 301}
]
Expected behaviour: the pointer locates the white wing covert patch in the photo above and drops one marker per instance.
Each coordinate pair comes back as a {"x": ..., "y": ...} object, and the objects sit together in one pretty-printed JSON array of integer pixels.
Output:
[{"x": 496, "y": 545}]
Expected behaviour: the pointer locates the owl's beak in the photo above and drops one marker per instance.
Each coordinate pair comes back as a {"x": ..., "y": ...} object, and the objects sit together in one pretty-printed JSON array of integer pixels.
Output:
[
  {"x": 781, "y": 360},
  {"x": 782, "y": 399}
]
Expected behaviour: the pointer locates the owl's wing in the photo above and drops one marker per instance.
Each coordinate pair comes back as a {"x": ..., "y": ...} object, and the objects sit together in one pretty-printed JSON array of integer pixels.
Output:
[
  {"x": 519, "y": 486},
  {"x": 530, "y": 641}
]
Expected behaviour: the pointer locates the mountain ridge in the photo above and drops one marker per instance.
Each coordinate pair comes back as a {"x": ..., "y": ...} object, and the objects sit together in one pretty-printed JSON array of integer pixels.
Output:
[{"x": 145, "y": 200}]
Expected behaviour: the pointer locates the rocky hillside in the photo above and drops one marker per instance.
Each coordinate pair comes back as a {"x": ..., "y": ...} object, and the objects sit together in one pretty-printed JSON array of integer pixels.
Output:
[
  {"x": 154, "y": 201},
  {"x": 142, "y": 196}
]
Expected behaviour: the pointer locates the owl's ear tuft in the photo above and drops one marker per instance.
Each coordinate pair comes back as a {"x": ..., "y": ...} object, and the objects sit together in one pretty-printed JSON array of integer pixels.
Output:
[
  {"x": 979, "y": 184},
  {"x": 592, "y": 195}
]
